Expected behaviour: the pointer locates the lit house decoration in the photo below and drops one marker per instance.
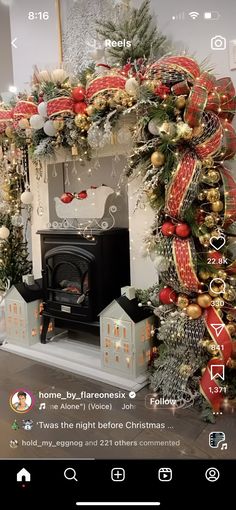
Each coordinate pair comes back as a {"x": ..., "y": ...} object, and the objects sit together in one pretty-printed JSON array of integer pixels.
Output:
[
  {"x": 126, "y": 332},
  {"x": 23, "y": 304}
]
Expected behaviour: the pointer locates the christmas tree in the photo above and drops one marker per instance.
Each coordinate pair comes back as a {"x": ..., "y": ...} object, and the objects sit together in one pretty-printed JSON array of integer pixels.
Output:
[
  {"x": 138, "y": 27},
  {"x": 14, "y": 256}
]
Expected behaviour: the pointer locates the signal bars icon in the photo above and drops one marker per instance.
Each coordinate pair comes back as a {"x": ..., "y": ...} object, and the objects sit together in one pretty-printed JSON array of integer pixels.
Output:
[{"x": 179, "y": 17}]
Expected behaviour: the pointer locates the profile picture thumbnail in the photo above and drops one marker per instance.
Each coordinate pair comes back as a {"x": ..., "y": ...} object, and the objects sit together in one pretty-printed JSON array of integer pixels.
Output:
[{"x": 21, "y": 401}]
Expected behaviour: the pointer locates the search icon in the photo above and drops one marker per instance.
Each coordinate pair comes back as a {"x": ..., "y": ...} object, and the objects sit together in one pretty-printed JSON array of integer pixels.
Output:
[{"x": 70, "y": 474}]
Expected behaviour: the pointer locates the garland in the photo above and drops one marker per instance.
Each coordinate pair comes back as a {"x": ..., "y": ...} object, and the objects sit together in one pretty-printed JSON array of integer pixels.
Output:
[{"x": 182, "y": 137}]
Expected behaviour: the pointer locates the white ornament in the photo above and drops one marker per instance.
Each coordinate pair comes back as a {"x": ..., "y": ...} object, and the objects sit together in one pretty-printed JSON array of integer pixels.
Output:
[
  {"x": 153, "y": 127},
  {"x": 42, "y": 109},
  {"x": 132, "y": 87},
  {"x": 161, "y": 263},
  {"x": 44, "y": 76},
  {"x": 27, "y": 197},
  {"x": 23, "y": 123},
  {"x": 59, "y": 75},
  {"x": 4, "y": 232},
  {"x": 36, "y": 122},
  {"x": 49, "y": 128}
]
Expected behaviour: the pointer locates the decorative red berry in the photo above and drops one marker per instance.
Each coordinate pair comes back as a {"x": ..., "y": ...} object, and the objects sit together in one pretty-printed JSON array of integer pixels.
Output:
[
  {"x": 168, "y": 229},
  {"x": 167, "y": 296},
  {"x": 80, "y": 107},
  {"x": 182, "y": 230},
  {"x": 78, "y": 93},
  {"x": 82, "y": 195},
  {"x": 66, "y": 198}
]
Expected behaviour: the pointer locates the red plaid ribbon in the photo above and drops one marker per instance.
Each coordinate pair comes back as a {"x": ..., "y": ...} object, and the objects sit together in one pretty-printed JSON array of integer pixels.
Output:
[
  {"x": 24, "y": 109},
  {"x": 5, "y": 119},
  {"x": 198, "y": 99},
  {"x": 102, "y": 83},
  {"x": 60, "y": 105}
]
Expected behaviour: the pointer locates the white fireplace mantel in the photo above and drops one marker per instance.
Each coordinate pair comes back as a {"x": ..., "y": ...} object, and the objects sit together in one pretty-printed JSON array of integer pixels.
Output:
[{"x": 142, "y": 269}]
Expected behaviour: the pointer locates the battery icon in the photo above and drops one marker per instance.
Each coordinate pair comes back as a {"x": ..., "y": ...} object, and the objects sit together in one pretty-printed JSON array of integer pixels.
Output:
[{"x": 212, "y": 16}]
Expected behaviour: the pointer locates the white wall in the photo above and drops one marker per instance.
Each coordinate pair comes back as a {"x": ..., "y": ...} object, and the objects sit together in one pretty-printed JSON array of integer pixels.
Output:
[{"x": 37, "y": 41}]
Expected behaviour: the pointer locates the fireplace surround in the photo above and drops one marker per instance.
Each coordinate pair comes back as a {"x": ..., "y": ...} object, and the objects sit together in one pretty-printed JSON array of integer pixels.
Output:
[{"x": 81, "y": 275}]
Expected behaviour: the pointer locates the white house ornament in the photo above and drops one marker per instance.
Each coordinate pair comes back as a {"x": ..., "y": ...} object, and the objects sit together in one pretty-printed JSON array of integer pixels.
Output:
[{"x": 161, "y": 263}]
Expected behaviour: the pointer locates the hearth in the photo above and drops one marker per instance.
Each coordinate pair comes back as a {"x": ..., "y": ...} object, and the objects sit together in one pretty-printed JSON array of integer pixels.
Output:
[{"x": 81, "y": 276}]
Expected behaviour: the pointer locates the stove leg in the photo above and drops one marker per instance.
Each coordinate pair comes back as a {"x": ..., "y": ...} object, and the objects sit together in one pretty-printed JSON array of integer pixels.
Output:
[{"x": 46, "y": 321}]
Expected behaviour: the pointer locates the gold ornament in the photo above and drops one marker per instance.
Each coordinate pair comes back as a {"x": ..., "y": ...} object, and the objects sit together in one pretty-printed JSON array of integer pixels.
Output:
[
  {"x": 81, "y": 121},
  {"x": 217, "y": 206},
  {"x": 204, "y": 300},
  {"x": 205, "y": 240},
  {"x": 229, "y": 295},
  {"x": 222, "y": 274},
  {"x": 231, "y": 328},
  {"x": 180, "y": 102},
  {"x": 229, "y": 317},
  {"x": 202, "y": 195},
  {"x": 182, "y": 301},
  {"x": 167, "y": 128},
  {"x": 58, "y": 124},
  {"x": 213, "y": 195},
  {"x": 213, "y": 176},
  {"x": 9, "y": 132},
  {"x": 231, "y": 363},
  {"x": 194, "y": 311},
  {"x": 204, "y": 275},
  {"x": 90, "y": 110},
  {"x": 214, "y": 290},
  {"x": 210, "y": 221},
  {"x": 157, "y": 159},
  {"x": 119, "y": 96},
  {"x": 99, "y": 103},
  {"x": 208, "y": 162},
  {"x": 74, "y": 150}
]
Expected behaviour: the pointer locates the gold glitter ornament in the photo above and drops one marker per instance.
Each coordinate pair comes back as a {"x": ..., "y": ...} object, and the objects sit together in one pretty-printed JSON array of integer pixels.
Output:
[
  {"x": 180, "y": 102},
  {"x": 213, "y": 195},
  {"x": 204, "y": 275},
  {"x": 99, "y": 103},
  {"x": 157, "y": 159},
  {"x": 182, "y": 301},
  {"x": 217, "y": 206}
]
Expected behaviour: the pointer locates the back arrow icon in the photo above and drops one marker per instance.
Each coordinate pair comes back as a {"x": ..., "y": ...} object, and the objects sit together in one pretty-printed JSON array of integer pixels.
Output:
[{"x": 13, "y": 43}]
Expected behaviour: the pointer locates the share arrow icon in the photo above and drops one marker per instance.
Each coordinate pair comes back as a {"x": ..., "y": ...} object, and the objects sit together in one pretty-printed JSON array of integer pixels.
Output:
[{"x": 218, "y": 328}]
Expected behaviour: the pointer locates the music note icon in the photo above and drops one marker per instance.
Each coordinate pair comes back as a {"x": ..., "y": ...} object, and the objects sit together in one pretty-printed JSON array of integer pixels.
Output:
[
  {"x": 224, "y": 446},
  {"x": 42, "y": 406}
]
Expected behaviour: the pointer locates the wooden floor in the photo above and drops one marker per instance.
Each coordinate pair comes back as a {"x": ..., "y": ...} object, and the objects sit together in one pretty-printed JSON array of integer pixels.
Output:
[{"x": 185, "y": 426}]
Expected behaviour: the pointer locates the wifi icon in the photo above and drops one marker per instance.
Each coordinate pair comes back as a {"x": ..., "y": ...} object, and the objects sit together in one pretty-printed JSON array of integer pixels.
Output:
[{"x": 194, "y": 14}]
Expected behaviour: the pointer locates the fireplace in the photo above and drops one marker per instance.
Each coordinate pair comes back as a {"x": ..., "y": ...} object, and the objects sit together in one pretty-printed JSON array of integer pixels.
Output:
[{"x": 81, "y": 275}]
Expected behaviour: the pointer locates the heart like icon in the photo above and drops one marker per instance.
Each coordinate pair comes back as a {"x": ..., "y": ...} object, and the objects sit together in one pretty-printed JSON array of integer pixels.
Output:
[{"x": 217, "y": 242}]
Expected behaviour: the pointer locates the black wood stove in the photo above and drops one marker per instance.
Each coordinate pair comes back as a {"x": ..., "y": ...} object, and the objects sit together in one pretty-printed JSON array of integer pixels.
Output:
[{"x": 81, "y": 275}]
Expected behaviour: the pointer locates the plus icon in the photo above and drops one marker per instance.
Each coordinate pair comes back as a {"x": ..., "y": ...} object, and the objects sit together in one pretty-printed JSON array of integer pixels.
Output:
[{"x": 117, "y": 474}]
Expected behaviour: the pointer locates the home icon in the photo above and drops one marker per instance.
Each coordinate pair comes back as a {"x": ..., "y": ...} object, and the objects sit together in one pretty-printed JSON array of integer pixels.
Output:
[{"x": 23, "y": 476}]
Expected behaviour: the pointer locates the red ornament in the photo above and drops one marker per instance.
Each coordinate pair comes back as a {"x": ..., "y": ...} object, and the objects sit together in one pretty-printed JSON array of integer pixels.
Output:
[
  {"x": 162, "y": 91},
  {"x": 168, "y": 229},
  {"x": 80, "y": 107},
  {"x": 183, "y": 230},
  {"x": 82, "y": 195},
  {"x": 167, "y": 296},
  {"x": 66, "y": 198},
  {"x": 78, "y": 93}
]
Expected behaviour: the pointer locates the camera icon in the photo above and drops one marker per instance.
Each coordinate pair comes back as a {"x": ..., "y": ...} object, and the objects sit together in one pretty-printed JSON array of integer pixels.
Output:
[{"x": 218, "y": 43}]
